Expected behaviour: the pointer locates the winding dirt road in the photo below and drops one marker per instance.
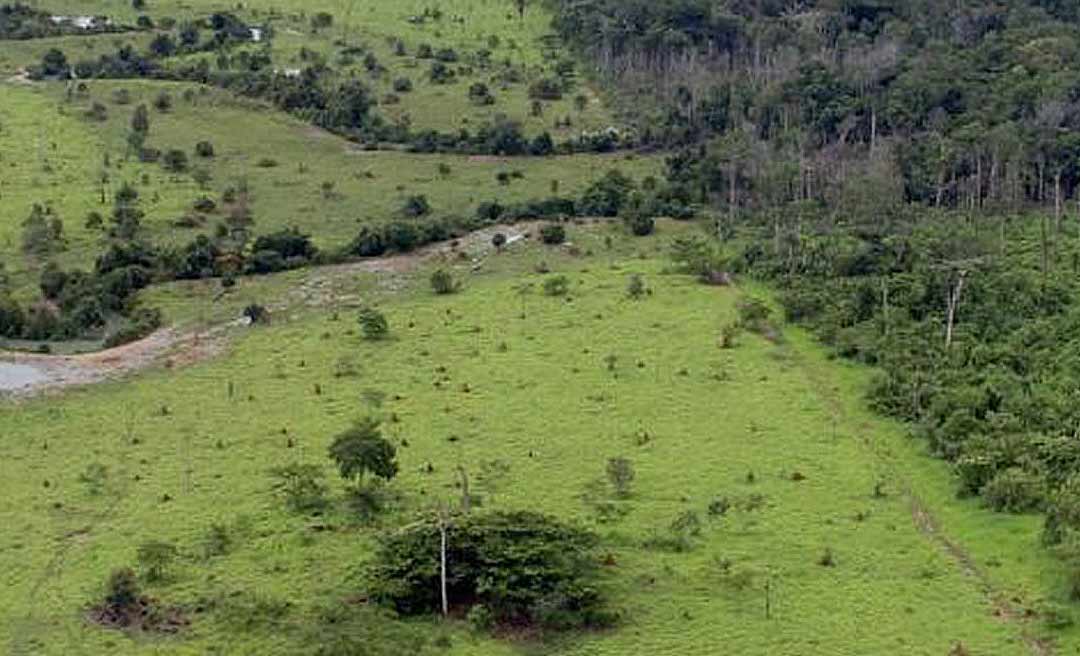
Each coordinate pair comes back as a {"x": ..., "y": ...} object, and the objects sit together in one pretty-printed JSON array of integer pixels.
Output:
[{"x": 172, "y": 347}]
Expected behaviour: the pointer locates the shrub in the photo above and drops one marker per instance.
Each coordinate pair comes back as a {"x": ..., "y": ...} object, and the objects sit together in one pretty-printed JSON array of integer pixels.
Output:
[
  {"x": 12, "y": 317},
  {"x": 163, "y": 102},
  {"x": 620, "y": 472},
  {"x": 552, "y": 234},
  {"x": 264, "y": 262},
  {"x": 719, "y": 507},
  {"x": 293, "y": 245},
  {"x": 42, "y": 231},
  {"x": 204, "y": 205},
  {"x": 1014, "y": 490},
  {"x": 498, "y": 240},
  {"x": 606, "y": 196},
  {"x": 257, "y": 314},
  {"x": 489, "y": 211},
  {"x": 546, "y": 89},
  {"x": 678, "y": 538},
  {"x": 302, "y": 486},
  {"x": 155, "y": 557},
  {"x": 480, "y": 618},
  {"x": 204, "y": 149},
  {"x": 557, "y": 286},
  {"x": 442, "y": 282},
  {"x": 542, "y": 146},
  {"x": 636, "y": 288},
  {"x": 403, "y": 85},
  {"x": 729, "y": 333},
  {"x": 440, "y": 73},
  {"x": 416, "y": 206},
  {"x": 122, "y": 588},
  {"x": 175, "y": 161},
  {"x": 217, "y": 541},
  {"x": 373, "y": 323},
  {"x": 640, "y": 225},
  {"x": 163, "y": 45},
  {"x": 124, "y": 604},
  {"x": 754, "y": 314},
  {"x": 52, "y": 282},
  {"x": 524, "y": 568},
  {"x": 479, "y": 94}
]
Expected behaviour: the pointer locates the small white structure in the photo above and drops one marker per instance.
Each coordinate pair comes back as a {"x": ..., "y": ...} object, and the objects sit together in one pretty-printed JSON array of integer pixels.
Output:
[{"x": 81, "y": 22}]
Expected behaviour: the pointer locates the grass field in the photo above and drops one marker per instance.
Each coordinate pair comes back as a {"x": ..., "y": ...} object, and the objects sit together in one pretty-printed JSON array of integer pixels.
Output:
[
  {"x": 541, "y": 413},
  {"x": 52, "y": 154},
  {"x": 16, "y": 55},
  {"x": 466, "y": 26}
]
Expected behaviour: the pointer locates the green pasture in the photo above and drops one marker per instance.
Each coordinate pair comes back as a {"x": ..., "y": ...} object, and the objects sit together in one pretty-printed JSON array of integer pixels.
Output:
[
  {"x": 52, "y": 153},
  {"x": 531, "y": 394}
]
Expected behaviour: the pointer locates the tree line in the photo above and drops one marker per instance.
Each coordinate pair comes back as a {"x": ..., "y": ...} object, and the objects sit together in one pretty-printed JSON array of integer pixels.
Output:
[{"x": 969, "y": 105}]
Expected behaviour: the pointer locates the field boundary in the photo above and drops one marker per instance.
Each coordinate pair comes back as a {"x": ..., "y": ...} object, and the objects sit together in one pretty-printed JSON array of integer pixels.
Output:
[{"x": 922, "y": 516}]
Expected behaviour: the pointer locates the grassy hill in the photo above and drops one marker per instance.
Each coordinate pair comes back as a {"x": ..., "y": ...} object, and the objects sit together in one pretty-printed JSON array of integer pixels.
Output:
[
  {"x": 770, "y": 511},
  {"x": 532, "y": 394},
  {"x": 53, "y": 154}
]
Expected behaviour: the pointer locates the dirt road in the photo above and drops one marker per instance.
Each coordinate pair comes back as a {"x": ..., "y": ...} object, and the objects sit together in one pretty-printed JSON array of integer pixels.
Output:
[{"x": 24, "y": 375}]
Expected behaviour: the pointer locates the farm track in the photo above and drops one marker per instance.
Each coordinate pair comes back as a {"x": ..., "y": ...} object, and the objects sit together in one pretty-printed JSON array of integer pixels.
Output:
[
  {"x": 173, "y": 347},
  {"x": 1007, "y": 608}
]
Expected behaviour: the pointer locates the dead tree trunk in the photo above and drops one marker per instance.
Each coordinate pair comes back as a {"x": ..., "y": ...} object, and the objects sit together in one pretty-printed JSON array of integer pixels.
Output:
[
  {"x": 873, "y": 129},
  {"x": 442, "y": 562},
  {"x": 954, "y": 302}
]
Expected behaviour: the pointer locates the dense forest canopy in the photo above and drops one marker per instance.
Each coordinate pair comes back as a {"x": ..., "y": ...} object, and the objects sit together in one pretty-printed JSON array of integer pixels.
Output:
[{"x": 972, "y": 102}]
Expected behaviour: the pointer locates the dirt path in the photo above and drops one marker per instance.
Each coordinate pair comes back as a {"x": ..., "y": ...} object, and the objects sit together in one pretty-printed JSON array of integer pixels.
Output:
[
  {"x": 21, "y": 77},
  {"x": 171, "y": 347},
  {"x": 1004, "y": 607}
]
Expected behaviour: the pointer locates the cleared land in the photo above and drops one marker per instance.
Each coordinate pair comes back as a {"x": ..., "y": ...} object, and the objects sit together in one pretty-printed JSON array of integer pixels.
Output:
[
  {"x": 835, "y": 521},
  {"x": 532, "y": 407},
  {"x": 52, "y": 154}
]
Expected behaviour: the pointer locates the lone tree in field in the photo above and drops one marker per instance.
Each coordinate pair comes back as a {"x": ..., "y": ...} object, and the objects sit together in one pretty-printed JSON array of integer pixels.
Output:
[{"x": 363, "y": 450}]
